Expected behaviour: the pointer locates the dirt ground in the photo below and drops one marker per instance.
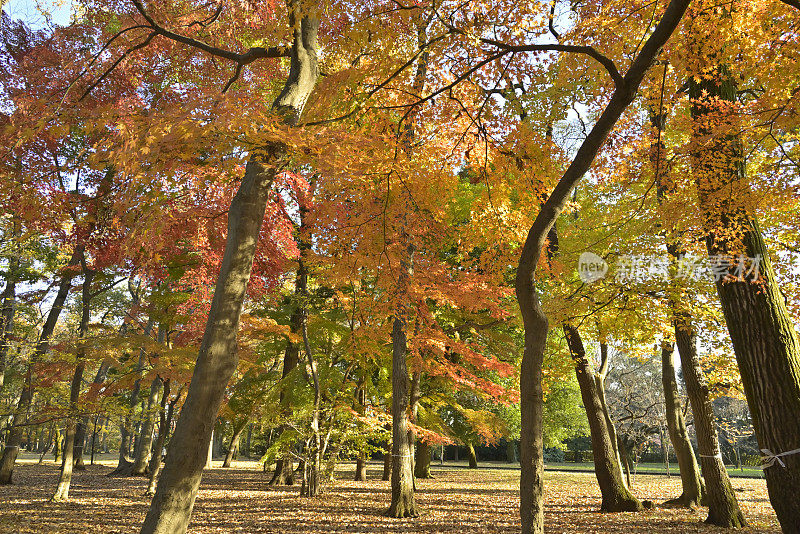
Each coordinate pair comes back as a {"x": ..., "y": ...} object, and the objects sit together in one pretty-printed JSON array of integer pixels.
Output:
[{"x": 238, "y": 500}]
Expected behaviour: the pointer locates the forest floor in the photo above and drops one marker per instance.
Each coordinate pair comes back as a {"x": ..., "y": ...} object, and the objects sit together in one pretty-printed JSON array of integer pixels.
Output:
[{"x": 238, "y": 500}]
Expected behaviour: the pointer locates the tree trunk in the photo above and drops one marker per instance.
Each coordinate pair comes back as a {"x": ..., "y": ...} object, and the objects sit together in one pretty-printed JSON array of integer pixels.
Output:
[
  {"x": 284, "y": 469},
  {"x": 387, "y": 462},
  {"x": 693, "y": 487},
  {"x": 145, "y": 444},
  {"x": 65, "y": 478},
  {"x": 607, "y": 466},
  {"x": 126, "y": 431},
  {"x": 533, "y": 318},
  {"x": 723, "y": 509},
  {"x": 172, "y": 503},
  {"x": 361, "y": 468},
  {"x": 511, "y": 452},
  {"x": 7, "y": 310},
  {"x": 14, "y": 438},
  {"x": 361, "y": 461},
  {"x": 80, "y": 442},
  {"x": 762, "y": 332},
  {"x": 692, "y": 484},
  {"x": 234, "y": 444},
  {"x": 164, "y": 422},
  {"x": 422, "y": 467},
  {"x": 471, "y": 456},
  {"x": 402, "y": 478}
]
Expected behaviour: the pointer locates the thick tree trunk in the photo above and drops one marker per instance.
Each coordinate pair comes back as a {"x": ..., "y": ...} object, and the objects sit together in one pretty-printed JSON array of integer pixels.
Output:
[
  {"x": 402, "y": 477},
  {"x": 387, "y": 462},
  {"x": 422, "y": 467},
  {"x": 693, "y": 488},
  {"x": 65, "y": 478},
  {"x": 511, "y": 452},
  {"x": 361, "y": 468},
  {"x": 15, "y": 433},
  {"x": 145, "y": 443},
  {"x": 471, "y": 456},
  {"x": 533, "y": 318},
  {"x": 80, "y": 442},
  {"x": 723, "y": 509},
  {"x": 233, "y": 447},
  {"x": 607, "y": 465},
  {"x": 762, "y": 332},
  {"x": 172, "y": 503}
]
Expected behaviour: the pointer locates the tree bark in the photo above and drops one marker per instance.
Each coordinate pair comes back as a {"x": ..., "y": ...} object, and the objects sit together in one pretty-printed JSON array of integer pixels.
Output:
[
  {"x": 422, "y": 466},
  {"x": 387, "y": 462},
  {"x": 172, "y": 503},
  {"x": 402, "y": 476},
  {"x": 14, "y": 438},
  {"x": 764, "y": 338},
  {"x": 693, "y": 488},
  {"x": 607, "y": 465},
  {"x": 533, "y": 318}
]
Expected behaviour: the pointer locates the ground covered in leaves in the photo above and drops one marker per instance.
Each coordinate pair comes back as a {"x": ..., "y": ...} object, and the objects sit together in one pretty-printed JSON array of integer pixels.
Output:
[{"x": 238, "y": 500}]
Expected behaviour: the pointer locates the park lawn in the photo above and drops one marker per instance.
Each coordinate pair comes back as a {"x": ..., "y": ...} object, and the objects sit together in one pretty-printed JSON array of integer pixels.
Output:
[
  {"x": 237, "y": 500},
  {"x": 747, "y": 472}
]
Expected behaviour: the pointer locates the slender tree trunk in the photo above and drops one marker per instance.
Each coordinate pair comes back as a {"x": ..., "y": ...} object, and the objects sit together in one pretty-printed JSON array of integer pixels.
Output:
[
  {"x": 234, "y": 444},
  {"x": 607, "y": 466},
  {"x": 14, "y": 439},
  {"x": 164, "y": 423},
  {"x": 422, "y": 467},
  {"x": 723, "y": 509},
  {"x": 693, "y": 488},
  {"x": 172, "y": 503},
  {"x": 692, "y": 484},
  {"x": 762, "y": 332},
  {"x": 127, "y": 430},
  {"x": 361, "y": 461},
  {"x": 65, "y": 478},
  {"x": 145, "y": 443},
  {"x": 7, "y": 310}
]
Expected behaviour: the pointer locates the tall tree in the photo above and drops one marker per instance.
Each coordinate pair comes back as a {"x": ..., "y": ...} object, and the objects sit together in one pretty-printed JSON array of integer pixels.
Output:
[
  {"x": 177, "y": 486},
  {"x": 534, "y": 319},
  {"x": 764, "y": 337}
]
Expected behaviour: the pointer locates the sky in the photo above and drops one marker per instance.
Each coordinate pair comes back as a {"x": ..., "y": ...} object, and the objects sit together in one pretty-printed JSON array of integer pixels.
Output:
[{"x": 36, "y": 12}]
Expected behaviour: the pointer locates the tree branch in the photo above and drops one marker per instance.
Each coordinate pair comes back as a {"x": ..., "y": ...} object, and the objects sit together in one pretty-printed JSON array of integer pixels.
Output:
[{"x": 252, "y": 54}]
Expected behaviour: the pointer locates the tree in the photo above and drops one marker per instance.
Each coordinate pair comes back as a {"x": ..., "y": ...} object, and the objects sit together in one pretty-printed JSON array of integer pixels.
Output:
[{"x": 534, "y": 319}]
